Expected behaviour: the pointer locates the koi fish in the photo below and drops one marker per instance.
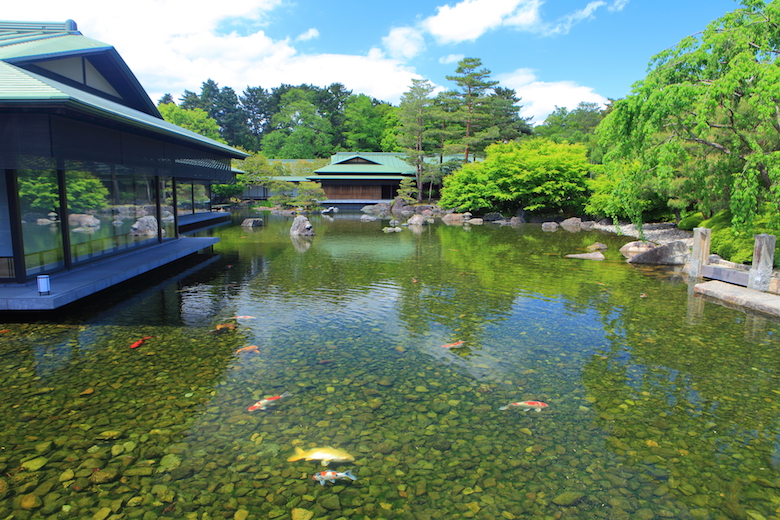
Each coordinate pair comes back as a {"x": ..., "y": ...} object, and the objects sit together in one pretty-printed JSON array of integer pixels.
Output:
[
  {"x": 4, "y": 331},
  {"x": 240, "y": 318},
  {"x": 332, "y": 476},
  {"x": 526, "y": 405},
  {"x": 261, "y": 404},
  {"x": 250, "y": 348},
  {"x": 326, "y": 455},
  {"x": 222, "y": 327},
  {"x": 457, "y": 343},
  {"x": 140, "y": 341}
]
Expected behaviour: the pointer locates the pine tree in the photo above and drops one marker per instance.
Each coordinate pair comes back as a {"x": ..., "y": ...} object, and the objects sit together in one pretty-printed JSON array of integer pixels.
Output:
[
  {"x": 474, "y": 112},
  {"x": 415, "y": 116}
]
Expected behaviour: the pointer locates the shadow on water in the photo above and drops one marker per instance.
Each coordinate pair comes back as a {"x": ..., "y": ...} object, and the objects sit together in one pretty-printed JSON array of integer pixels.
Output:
[{"x": 399, "y": 349}]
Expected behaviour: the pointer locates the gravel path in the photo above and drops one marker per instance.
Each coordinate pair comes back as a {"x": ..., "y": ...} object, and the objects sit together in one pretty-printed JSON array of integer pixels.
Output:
[{"x": 661, "y": 233}]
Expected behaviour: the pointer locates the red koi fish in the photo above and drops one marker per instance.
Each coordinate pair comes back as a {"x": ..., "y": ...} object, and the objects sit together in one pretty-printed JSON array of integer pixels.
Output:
[
  {"x": 261, "y": 404},
  {"x": 526, "y": 405},
  {"x": 141, "y": 341},
  {"x": 457, "y": 343}
]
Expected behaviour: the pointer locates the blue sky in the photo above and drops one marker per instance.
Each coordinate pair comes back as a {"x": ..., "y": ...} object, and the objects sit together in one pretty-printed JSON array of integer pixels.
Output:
[{"x": 552, "y": 52}]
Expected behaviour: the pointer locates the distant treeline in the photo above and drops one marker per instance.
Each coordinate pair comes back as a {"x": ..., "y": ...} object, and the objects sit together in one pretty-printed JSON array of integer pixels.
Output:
[{"x": 308, "y": 121}]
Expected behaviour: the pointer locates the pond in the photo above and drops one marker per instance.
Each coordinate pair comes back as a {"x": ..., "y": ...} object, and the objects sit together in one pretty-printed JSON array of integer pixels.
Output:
[{"x": 399, "y": 349}]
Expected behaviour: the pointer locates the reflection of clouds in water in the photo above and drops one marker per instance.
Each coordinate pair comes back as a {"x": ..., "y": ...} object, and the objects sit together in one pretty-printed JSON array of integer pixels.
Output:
[
  {"x": 535, "y": 335},
  {"x": 199, "y": 306},
  {"x": 362, "y": 308}
]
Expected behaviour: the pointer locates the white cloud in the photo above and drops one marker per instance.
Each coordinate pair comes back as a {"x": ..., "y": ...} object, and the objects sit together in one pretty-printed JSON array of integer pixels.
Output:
[
  {"x": 470, "y": 19},
  {"x": 564, "y": 25},
  {"x": 618, "y": 5},
  {"x": 308, "y": 35},
  {"x": 171, "y": 49},
  {"x": 539, "y": 98},
  {"x": 451, "y": 58},
  {"x": 404, "y": 42}
]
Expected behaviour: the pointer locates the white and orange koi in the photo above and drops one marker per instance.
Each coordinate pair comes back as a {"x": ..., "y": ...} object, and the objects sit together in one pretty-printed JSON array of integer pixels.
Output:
[
  {"x": 263, "y": 403},
  {"x": 332, "y": 476},
  {"x": 526, "y": 405}
]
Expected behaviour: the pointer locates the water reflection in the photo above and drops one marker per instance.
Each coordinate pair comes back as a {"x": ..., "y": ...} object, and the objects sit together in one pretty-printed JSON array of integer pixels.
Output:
[{"x": 654, "y": 411}]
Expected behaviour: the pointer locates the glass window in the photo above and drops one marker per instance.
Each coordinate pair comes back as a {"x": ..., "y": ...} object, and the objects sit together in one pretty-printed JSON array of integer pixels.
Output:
[
  {"x": 39, "y": 199},
  {"x": 109, "y": 212}
]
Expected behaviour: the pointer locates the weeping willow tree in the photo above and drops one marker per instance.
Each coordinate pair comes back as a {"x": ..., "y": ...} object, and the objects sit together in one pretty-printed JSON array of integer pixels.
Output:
[{"x": 702, "y": 130}]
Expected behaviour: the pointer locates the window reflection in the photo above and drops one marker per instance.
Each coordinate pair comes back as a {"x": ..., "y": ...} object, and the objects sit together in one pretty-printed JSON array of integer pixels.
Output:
[{"x": 39, "y": 201}]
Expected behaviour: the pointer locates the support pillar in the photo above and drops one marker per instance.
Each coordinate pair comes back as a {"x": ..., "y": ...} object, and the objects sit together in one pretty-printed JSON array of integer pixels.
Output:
[
  {"x": 701, "y": 251},
  {"x": 763, "y": 260}
]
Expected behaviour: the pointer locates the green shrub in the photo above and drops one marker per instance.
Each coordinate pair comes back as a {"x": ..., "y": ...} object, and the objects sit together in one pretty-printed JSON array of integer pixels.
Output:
[
  {"x": 735, "y": 246},
  {"x": 693, "y": 220}
]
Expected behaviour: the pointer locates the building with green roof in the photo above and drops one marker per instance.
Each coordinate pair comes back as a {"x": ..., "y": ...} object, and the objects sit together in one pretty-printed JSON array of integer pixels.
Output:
[
  {"x": 353, "y": 179},
  {"x": 88, "y": 167}
]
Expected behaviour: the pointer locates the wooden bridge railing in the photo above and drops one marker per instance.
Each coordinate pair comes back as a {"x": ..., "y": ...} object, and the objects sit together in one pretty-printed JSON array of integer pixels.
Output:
[{"x": 758, "y": 277}]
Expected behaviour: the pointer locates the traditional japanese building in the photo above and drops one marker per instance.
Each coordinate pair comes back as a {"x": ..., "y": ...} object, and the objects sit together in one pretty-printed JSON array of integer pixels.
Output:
[
  {"x": 362, "y": 177},
  {"x": 89, "y": 169}
]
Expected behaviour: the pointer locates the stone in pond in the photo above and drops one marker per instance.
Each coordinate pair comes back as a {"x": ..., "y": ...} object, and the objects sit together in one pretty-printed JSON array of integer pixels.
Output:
[
  {"x": 588, "y": 256},
  {"x": 302, "y": 514},
  {"x": 568, "y": 498},
  {"x": 35, "y": 464},
  {"x": 331, "y": 502}
]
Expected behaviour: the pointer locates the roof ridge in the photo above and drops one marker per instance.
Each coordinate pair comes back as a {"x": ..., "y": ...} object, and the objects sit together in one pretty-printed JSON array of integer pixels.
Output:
[{"x": 68, "y": 26}]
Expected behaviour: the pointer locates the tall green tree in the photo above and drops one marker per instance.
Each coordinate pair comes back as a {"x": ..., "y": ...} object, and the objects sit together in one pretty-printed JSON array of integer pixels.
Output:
[
  {"x": 415, "y": 136},
  {"x": 255, "y": 102},
  {"x": 575, "y": 126},
  {"x": 300, "y": 130},
  {"x": 703, "y": 124},
  {"x": 473, "y": 114},
  {"x": 504, "y": 109},
  {"x": 363, "y": 126}
]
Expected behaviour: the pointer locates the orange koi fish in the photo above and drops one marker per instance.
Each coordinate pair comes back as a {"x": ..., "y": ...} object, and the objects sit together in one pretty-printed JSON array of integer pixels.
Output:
[
  {"x": 526, "y": 405},
  {"x": 261, "y": 404},
  {"x": 223, "y": 327},
  {"x": 4, "y": 331},
  {"x": 250, "y": 348},
  {"x": 457, "y": 343},
  {"x": 141, "y": 341}
]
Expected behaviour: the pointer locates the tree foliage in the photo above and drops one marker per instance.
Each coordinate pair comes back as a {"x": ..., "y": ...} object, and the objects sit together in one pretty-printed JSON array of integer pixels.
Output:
[
  {"x": 472, "y": 111},
  {"x": 415, "y": 135},
  {"x": 534, "y": 175},
  {"x": 300, "y": 129},
  {"x": 703, "y": 125},
  {"x": 195, "y": 120},
  {"x": 575, "y": 126}
]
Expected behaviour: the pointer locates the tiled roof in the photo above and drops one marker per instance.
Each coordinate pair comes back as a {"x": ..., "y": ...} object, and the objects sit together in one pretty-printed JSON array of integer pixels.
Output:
[
  {"x": 366, "y": 163},
  {"x": 24, "y": 43}
]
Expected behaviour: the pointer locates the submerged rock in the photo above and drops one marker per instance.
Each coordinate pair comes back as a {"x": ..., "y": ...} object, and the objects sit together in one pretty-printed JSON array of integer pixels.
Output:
[
  {"x": 588, "y": 256},
  {"x": 568, "y": 498}
]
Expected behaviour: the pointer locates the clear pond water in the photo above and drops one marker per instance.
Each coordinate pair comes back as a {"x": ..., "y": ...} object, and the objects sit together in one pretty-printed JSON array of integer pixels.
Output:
[{"x": 659, "y": 405}]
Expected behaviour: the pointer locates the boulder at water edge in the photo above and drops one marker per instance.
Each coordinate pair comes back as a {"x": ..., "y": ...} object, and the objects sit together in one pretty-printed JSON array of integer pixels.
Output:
[
  {"x": 636, "y": 247},
  {"x": 673, "y": 253}
]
